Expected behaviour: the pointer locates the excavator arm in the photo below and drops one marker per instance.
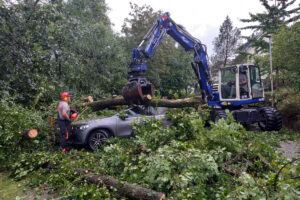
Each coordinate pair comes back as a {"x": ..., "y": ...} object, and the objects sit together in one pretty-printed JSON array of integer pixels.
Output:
[{"x": 138, "y": 86}]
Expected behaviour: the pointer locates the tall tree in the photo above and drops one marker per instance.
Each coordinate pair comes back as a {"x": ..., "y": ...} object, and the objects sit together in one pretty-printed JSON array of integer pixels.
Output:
[
  {"x": 26, "y": 48},
  {"x": 286, "y": 54},
  {"x": 226, "y": 44},
  {"x": 277, "y": 13},
  {"x": 49, "y": 46},
  {"x": 102, "y": 68}
]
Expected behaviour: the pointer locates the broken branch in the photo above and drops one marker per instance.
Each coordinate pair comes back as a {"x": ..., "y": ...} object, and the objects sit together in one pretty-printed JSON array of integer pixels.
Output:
[{"x": 123, "y": 188}]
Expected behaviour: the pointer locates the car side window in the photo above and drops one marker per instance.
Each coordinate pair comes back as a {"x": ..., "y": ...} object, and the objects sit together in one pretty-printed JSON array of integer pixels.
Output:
[
  {"x": 138, "y": 111},
  {"x": 130, "y": 113},
  {"x": 161, "y": 110},
  {"x": 149, "y": 111}
]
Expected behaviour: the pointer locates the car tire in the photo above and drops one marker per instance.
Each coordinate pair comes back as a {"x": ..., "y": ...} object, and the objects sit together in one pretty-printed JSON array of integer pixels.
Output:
[
  {"x": 272, "y": 119},
  {"x": 97, "y": 138}
]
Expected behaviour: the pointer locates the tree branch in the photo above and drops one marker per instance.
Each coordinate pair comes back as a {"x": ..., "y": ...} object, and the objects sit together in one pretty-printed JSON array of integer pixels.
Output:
[
  {"x": 278, "y": 173},
  {"x": 123, "y": 188}
]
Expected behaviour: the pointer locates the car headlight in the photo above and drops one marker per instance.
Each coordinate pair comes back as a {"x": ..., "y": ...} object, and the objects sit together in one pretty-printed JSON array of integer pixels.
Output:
[{"x": 83, "y": 127}]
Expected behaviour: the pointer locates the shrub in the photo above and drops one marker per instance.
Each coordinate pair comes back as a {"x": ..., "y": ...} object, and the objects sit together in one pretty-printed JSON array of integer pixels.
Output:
[{"x": 14, "y": 120}]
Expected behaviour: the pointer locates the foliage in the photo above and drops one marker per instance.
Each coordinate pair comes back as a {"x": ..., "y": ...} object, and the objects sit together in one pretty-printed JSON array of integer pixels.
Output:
[
  {"x": 25, "y": 50},
  {"x": 51, "y": 46},
  {"x": 55, "y": 170},
  {"x": 14, "y": 120},
  {"x": 185, "y": 160},
  {"x": 287, "y": 101},
  {"x": 270, "y": 21},
  {"x": 286, "y": 54},
  {"x": 9, "y": 188},
  {"x": 285, "y": 59},
  {"x": 226, "y": 44},
  {"x": 102, "y": 67}
]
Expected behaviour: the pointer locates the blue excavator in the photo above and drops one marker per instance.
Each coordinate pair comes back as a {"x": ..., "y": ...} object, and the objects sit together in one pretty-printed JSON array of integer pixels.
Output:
[{"x": 238, "y": 85}]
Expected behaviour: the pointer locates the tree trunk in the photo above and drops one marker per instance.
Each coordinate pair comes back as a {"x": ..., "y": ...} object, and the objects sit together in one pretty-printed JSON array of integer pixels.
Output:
[
  {"x": 177, "y": 103},
  {"x": 31, "y": 133},
  {"x": 123, "y": 188}
]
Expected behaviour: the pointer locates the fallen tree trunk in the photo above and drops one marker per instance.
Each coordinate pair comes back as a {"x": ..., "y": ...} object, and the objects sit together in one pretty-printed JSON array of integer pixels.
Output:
[
  {"x": 105, "y": 103},
  {"x": 177, "y": 103},
  {"x": 123, "y": 188}
]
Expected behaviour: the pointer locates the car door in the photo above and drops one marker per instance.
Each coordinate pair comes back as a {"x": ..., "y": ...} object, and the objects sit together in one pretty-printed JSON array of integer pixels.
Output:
[
  {"x": 124, "y": 126},
  {"x": 157, "y": 113},
  {"x": 137, "y": 113}
]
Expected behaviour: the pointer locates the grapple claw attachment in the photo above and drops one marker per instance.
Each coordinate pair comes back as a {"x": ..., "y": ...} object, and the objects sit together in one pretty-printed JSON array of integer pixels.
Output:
[{"x": 136, "y": 93}]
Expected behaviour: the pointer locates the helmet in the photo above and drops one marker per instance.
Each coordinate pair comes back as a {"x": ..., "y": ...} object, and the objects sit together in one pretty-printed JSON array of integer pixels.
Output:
[
  {"x": 74, "y": 116},
  {"x": 64, "y": 95}
]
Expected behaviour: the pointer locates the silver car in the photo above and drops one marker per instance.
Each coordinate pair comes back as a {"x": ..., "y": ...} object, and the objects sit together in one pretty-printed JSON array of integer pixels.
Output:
[{"x": 92, "y": 133}]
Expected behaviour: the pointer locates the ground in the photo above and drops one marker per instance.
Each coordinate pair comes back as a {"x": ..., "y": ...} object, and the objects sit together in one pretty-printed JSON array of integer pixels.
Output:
[
  {"x": 290, "y": 149},
  {"x": 10, "y": 189}
]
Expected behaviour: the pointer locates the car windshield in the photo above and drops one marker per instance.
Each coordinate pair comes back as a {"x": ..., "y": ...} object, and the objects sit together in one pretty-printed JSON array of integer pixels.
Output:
[{"x": 141, "y": 110}]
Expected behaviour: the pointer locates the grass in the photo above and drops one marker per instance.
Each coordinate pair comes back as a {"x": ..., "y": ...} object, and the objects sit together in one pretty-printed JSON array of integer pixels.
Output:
[{"x": 10, "y": 189}]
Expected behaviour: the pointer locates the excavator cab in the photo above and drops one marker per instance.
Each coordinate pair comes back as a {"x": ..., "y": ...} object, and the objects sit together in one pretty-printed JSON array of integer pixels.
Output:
[{"x": 240, "y": 83}]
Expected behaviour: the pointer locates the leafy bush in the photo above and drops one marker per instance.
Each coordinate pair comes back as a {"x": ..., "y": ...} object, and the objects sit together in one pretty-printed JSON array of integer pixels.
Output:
[
  {"x": 288, "y": 103},
  {"x": 14, "y": 120}
]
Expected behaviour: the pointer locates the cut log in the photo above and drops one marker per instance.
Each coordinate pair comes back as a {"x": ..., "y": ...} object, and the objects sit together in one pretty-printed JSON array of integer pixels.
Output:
[
  {"x": 177, "y": 103},
  {"x": 139, "y": 150},
  {"x": 31, "y": 133},
  {"x": 123, "y": 188},
  {"x": 87, "y": 99}
]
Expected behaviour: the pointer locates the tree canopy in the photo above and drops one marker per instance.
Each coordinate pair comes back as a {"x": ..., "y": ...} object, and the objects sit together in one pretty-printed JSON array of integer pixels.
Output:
[
  {"x": 268, "y": 22},
  {"x": 51, "y": 46},
  {"x": 286, "y": 53}
]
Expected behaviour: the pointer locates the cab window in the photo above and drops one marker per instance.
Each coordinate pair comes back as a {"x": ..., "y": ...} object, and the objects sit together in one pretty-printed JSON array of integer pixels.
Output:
[
  {"x": 228, "y": 83},
  {"x": 256, "y": 86}
]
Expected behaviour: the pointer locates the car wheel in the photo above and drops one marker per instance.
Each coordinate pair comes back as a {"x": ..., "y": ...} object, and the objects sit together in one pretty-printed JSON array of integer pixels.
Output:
[{"x": 97, "y": 138}]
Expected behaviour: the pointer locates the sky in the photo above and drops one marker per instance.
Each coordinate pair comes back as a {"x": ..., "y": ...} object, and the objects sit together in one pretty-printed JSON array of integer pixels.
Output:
[{"x": 201, "y": 18}]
